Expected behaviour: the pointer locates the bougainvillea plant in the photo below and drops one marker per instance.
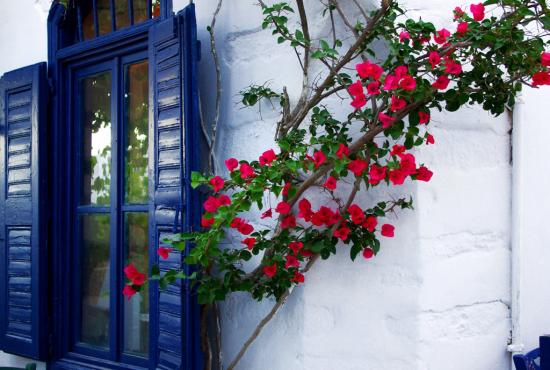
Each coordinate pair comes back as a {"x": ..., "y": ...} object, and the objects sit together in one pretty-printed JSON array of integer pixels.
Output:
[{"x": 308, "y": 181}]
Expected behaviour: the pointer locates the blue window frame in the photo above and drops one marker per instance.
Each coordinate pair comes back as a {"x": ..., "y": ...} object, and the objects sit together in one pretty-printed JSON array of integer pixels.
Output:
[
  {"x": 65, "y": 246},
  {"x": 104, "y": 209}
]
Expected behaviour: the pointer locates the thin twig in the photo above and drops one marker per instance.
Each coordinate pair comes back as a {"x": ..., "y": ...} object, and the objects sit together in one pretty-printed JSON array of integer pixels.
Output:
[
  {"x": 258, "y": 330},
  {"x": 218, "y": 85}
]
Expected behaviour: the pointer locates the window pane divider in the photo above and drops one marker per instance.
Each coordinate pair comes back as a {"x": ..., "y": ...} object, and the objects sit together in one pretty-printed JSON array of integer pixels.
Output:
[
  {"x": 131, "y": 12},
  {"x": 135, "y": 208},
  {"x": 96, "y": 18},
  {"x": 93, "y": 209}
]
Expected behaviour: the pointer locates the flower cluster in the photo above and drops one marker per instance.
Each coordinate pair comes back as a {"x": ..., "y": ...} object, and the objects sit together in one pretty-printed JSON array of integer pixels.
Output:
[{"x": 316, "y": 171}]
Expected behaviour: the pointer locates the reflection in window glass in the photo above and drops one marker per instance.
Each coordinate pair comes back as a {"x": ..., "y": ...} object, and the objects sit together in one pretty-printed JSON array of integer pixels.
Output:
[
  {"x": 136, "y": 310},
  {"x": 104, "y": 16},
  {"x": 95, "y": 126},
  {"x": 87, "y": 13},
  {"x": 136, "y": 98},
  {"x": 122, "y": 16},
  {"x": 94, "y": 263},
  {"x": 140, "y": 11},
  {"x": 155, "y": 11}
]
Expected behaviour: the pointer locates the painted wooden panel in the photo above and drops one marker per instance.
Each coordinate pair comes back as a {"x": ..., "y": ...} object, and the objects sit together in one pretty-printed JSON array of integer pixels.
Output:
[{"x": 23, "y": 259}]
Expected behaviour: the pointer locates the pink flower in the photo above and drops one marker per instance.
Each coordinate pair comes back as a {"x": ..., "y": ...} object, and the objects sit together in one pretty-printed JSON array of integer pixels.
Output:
[
  {"x": 298, "y": 277},
  {"x": 288, "y": 222},
  {"x": 246, "y": 171},
  {"x": 452, "y": 67},
  {"x": 132, "y": 273},
  {"x": 373, "y": 88},
  {"x": 330, "y": 184},
  {"x": 369, "y": 70},
  {"x": 291, "y": 261},
  {"x": 270, "y": 271},
  {"x": 249, "y": 242},
  {"x": 401, "y": 71},
  {"x": 397, "y": 149},
  {"x": 478, "y": 11},
  {"x": 211, "y": 204},
  {"x": 434, "y": 58},
  {"x": 408, "y": 83},
  {"x": 304, "y": 209},
  {"x": 545, "y": 59},
  {"x": 404, "y": 35},
  {"x": 430, "y": 139},
  {"x": 462, "y": 28},
  {"x": 357, "y": 166},
  {"x": 408, "y": 163},
  {"x": 458, "y": 13},
  {"x": 368, "y": 253},
  {"x": 370, "y": 223},
  {"x": 267, "y": 157},
  {"x": 295, "y": 247},
  {"x": 359, "y": 101},
  {"x": 207, "y": 222},
  {"x": 164, "y": 252},
  {"x": 356, "y": 213},
  {"x": 441, "y": 83},
  {"x": 231, "y": 164},
  {"x": 245, "y": 228},
  {"x": 356, "y": 88},
  {"x": 397, "y": 104},
  {"x": 386, "y": 120},
  {"x": 388, "y": 230},
  {"x": 342, "y": 233},
  {"x": 391, "y": 83},
  {"x": 224, "y": 200},
  {"x": 541, "y": 78},
  {"x": 398, "y": 176},
  {"x": 217, "y": 183},
  {"x": 424, "y": 174},
  {"x": 342, "y": 151},
  {"x": 128, "y": 291},
  {"x": 441, "y": 36},
  {"x": 283, "y": 208},
  {"x": 319, "y": 158},
  {"x": 377, "y": 174},
  {"x": 423, "y": 117},
  {"x": 267, "y": 214}
]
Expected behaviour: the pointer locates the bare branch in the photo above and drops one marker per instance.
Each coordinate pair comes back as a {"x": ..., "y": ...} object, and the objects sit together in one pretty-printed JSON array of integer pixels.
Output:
[
  {"x": 218, "y": 84},
  {"x": 258, "y": 330}
]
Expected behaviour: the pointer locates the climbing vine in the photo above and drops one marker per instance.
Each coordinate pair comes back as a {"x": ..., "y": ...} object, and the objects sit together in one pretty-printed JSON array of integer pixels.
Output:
[{"x": 307, "y": 183}]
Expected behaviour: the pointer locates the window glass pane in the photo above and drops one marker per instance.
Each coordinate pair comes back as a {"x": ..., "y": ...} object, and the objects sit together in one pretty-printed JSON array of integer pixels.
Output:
[
  {"x": 87, "y": 13},
  {"x": 136, "y": 310},
  {"x": 140, "y": 11},
  {"x": 104, "y": 16},
  {"x": 95, "y": 126},
  {"x": 122, "y": 16},
  {"x": 94, "y": 262},
  {"x": 155, "y": 10},
  {"x": 136, "y": 100}
]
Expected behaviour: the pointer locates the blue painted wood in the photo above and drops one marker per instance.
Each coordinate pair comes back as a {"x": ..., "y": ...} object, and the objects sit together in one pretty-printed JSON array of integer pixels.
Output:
[
  {"x": 23, "y": 181},
  {"x": 544, "y": 342},
  {"x": 528, "y": 361},
  {"x": 174, "y": 128}
]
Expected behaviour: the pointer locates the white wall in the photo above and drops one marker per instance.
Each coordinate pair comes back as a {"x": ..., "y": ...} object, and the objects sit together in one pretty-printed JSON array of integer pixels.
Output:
[
  {"x": 437, "y": 296},
  {"x": 533, "y": 129}
]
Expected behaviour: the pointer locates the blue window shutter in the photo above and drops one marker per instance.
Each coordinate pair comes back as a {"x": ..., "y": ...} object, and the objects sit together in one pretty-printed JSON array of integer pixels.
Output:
[
  {"x": 23, "y": 257},
  {"x": 174, "y": 205}
]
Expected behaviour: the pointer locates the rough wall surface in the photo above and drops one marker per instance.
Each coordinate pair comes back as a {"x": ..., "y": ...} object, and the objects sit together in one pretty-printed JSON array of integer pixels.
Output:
[{"x": 437, "y": 296}]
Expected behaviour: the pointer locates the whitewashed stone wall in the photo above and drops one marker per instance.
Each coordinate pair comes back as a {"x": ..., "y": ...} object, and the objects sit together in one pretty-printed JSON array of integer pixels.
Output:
[{"x": 437, "y": 297}]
